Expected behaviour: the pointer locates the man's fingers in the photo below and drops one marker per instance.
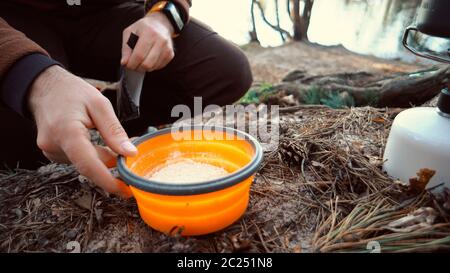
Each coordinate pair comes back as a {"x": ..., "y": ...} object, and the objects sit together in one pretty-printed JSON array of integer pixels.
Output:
[
  {"x": 59, "y": 158},
  {"x": 140, "y": 52},
  {"x": 164, "y": 59},
  {"x": 85, "y": 158},
  {"x": 149, "y": 64},
  {"x": 166, "y": 55},
  {"x": 159, "y": 56},
  {"x": 102, "y": 113},
  {"x": 107, "y": 156}
]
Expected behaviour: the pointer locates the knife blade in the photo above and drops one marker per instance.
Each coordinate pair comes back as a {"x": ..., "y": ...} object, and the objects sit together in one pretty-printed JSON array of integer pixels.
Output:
[{"x": 129, "y": 89}]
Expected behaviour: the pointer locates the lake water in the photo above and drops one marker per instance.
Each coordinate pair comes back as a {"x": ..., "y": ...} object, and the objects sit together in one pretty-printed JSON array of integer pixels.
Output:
[{"x": 368, "y": 27}]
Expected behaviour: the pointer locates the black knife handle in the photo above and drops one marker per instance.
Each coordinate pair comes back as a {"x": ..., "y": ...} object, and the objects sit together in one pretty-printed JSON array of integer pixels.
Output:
[{"x": 132, "y": 41}]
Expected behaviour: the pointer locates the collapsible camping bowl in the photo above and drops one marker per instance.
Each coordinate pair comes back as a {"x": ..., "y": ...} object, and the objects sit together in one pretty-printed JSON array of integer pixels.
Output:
[{"x": 199, "y": 208}]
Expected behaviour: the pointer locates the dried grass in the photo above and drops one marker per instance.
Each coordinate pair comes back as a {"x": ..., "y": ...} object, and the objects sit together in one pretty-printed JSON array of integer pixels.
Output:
[{"x": 322, "y": 190}]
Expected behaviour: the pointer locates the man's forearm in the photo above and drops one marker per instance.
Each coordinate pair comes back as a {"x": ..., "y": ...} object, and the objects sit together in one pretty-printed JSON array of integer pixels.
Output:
[{"x": 21, "y": 61}]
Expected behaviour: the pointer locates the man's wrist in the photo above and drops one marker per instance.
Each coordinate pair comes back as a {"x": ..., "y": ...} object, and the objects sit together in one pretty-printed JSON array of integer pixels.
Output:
[
  {"x": 162, "y": 18},
  {"x": 172, "y": 13},
  {"x": 41, "y": 85}
]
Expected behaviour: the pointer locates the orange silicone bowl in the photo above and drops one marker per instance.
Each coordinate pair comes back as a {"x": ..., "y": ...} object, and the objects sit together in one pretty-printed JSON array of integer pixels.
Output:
[{"x": 200, "y": 208}]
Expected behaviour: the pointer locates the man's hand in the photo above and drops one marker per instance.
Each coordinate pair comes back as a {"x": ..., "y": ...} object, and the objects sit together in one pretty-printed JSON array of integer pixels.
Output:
[
  {"x": 65, "y": 107},
  {"x": 154, "y": 49}
]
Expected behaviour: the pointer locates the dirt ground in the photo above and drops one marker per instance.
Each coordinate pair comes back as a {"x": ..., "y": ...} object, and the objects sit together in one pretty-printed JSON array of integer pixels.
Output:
[
  {"x": 321, "y": 190},
  {"x": 270, "y": 65}
]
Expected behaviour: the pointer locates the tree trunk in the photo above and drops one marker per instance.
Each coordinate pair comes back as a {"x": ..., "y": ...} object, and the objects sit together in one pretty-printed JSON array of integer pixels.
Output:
[
  {"x": 398, "y": 90},
  {"x": 298, "y": 34},
  {"x": 301, "y": 19},
  {"x": 306, "y": 18}
]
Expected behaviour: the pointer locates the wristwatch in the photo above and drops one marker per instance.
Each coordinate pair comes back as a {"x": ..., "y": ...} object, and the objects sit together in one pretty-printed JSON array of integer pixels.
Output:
[{"x": 172, "y": 13}]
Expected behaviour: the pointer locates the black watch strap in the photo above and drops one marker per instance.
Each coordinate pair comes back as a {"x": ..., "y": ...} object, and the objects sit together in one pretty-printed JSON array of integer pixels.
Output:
[{"x": 172, "y": 12}]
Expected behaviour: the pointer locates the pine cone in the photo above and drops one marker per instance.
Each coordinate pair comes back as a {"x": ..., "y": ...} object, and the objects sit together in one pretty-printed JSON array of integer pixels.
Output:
[{"x": 294, "y": 151}]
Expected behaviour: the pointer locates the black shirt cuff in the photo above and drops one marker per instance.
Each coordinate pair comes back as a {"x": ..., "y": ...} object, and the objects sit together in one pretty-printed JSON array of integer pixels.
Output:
[{"x": 15, "y": 85}]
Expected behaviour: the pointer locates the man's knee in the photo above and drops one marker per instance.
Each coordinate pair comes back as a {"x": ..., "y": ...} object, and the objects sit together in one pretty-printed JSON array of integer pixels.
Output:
[
  {"x": 235, "y": 78},
  {"x": 241, "y": 78}
]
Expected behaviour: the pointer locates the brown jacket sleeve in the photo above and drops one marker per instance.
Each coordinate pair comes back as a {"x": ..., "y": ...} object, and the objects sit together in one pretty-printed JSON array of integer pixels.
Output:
[
  {"x": 21, "y": 61},
  {"x": 13, "y": 46}
]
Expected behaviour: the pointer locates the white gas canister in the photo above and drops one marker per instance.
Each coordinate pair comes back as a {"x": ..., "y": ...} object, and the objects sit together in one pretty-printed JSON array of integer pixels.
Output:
[{"x": 419, "y": 138}]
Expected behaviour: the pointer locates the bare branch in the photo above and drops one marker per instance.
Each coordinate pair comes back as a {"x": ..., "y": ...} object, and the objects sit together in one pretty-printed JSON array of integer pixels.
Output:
[{"x": 263, "y": 16}]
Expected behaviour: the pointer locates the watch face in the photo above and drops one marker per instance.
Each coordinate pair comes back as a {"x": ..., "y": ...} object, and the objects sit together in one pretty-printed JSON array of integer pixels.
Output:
[{"x": 175, "y": 16}]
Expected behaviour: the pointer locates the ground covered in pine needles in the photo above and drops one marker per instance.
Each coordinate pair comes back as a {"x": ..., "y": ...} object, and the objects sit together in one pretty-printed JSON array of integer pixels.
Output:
[{"x": 321, "y": 190}]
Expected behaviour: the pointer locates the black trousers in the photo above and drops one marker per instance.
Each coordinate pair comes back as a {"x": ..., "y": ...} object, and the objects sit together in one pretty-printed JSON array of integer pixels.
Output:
[{"x": 88, "y": 43}]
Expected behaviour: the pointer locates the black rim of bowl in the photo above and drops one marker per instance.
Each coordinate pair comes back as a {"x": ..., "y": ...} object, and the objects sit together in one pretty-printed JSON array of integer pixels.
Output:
[{"x": 195, "y": 188}]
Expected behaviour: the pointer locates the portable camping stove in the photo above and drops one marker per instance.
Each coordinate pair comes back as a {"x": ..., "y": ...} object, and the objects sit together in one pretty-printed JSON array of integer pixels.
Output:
[{"x": 420, "y": 137}]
